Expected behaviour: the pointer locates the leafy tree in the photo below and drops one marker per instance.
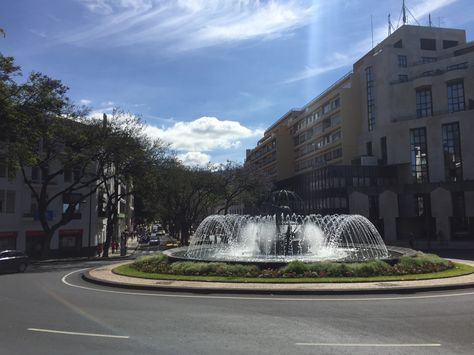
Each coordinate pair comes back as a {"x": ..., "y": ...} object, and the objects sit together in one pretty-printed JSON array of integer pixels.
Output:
[
  {"x": 187, "y": 196},
  {"x": 46, "y": 136},
  {"x": 239, "y": 184},
  {"x": 128, "y": 155}
]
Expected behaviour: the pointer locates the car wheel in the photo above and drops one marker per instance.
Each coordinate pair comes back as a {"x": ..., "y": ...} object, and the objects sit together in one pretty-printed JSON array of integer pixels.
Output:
[{"x": 22, "y": 267}]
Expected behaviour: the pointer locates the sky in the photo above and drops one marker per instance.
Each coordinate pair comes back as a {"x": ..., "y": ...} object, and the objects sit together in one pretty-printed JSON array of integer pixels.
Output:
[{"x": 207, "y": 76}]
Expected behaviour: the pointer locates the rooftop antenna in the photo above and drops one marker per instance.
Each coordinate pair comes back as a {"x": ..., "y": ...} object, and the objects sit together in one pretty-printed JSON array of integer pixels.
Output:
[
  {"x": 372, "y": 30},
  {"x": 429, "y": 19},
  {"x": 404, "y": 16},
  {"x": 404, "y": 13},
  {"x": 390, "y": 26}
]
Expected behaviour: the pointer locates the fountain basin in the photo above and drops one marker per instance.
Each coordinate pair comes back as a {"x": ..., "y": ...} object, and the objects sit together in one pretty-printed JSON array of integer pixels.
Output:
[{"x": 179, "y": 254}]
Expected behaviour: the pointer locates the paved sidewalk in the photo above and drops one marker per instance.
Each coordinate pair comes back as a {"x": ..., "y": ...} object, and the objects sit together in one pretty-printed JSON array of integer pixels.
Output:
[
  {"x": 132, "y": 246},
  {"x": 104, "y": 276}
]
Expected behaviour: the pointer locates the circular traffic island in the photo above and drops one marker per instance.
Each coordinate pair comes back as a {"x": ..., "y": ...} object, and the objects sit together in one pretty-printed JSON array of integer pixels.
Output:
[{"x": 417, "y": 266}]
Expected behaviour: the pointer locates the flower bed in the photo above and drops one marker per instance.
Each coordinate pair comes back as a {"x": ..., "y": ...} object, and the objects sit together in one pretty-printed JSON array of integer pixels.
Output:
[{"x": 419, "y": 264}]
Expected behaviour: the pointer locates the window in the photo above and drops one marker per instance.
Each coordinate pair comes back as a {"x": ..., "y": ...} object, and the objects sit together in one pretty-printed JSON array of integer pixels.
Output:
[
  {"x": 3, "y": 170},
  {"x": 335, "y": 120},
  {"x": 419, "y": 155},
  {"x": 368, "y": 147},
  {"x": 449, "y": 44},
  {"x": 422, "y": 204},
  {"x": 326, "y": 107},
  {"x": 10, "y": 205},
  {"x": 452, "y": 151},
  {"x": 72, "y": 200},
  {"x": 459, "y": 204},
  {"x": 402, "y": 61},
  {"x": 424, "y": 106},
  {"x": 403, "y": 77},
  {"x": 456, "y": 96},
  {"x": 398, "y": 44},
  {"x": 383, "y": 150},
  {"x": 336, "y": 136},
  {"x": 374, "y": 207},
  {"x": 7, "y": 201},
  {"x": 428, "y": 44},
  {"x": 369, "y": 76},
  {"x": 425, "y": 60}
]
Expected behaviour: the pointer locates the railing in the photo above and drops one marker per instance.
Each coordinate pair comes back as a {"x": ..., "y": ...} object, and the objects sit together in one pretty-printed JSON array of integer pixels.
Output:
[
  {"x": 434, "y": 72},
  {"x": 435, "y": 113}
]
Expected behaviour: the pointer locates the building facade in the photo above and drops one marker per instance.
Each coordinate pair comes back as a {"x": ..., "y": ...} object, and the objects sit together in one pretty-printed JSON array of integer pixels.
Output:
[
  {"x": 20, "y": 228},
  {"x": 391, "y": 140}
]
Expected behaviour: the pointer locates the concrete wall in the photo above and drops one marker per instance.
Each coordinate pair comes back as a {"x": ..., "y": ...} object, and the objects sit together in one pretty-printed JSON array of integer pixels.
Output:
[
  {"x": 359, "y": 203},
  {"x": 441, "y": 209}
]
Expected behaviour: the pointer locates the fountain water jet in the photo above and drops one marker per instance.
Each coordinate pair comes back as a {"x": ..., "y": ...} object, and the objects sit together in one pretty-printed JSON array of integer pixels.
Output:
[{"x": 283, "y": 237}]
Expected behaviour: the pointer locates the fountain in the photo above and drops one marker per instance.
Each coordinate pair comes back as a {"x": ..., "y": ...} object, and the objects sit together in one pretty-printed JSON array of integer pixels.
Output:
[{"x": 284, "y": 236}]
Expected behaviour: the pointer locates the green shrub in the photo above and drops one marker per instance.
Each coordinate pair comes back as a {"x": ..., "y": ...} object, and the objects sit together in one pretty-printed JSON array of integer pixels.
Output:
[
  {"x": 294, "y": 267},
  {"x": 155, "y": 263},
  {"x": 421, "y": 263},
  {"x": 213, "y": 269}
]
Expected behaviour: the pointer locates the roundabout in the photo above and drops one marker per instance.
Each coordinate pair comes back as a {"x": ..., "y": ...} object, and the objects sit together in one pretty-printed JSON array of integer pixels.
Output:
[
  {"x": 77, "y": 316},
  {"x": 106, "y": 276}
]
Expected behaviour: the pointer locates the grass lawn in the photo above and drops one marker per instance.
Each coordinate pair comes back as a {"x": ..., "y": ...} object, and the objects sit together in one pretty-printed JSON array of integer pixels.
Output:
[{"x": 458, "y": 270}]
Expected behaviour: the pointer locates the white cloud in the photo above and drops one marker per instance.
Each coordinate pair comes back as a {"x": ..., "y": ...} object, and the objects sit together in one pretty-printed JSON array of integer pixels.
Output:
[
  {"x": 194, "y": 158},
  {"x": 85, "y": 102},
  {"x": 190, "y": 24},
  {"x": 203, "y": 134}
]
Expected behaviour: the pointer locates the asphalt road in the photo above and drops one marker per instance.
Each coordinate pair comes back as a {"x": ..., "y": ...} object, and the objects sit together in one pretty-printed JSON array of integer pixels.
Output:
[{"x": 38, "y": 308}]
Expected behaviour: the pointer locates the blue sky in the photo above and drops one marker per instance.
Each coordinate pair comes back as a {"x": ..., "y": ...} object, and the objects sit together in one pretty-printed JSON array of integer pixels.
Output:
[{"x": 207, "y": 76}]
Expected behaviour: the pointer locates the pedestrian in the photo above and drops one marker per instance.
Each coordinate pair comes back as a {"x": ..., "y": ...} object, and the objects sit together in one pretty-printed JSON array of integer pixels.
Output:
[{"x": 99, "y": 249}]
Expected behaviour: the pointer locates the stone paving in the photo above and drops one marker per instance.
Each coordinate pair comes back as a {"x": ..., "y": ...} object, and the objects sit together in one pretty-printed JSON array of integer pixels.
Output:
[{"x": 104, "y": 275}]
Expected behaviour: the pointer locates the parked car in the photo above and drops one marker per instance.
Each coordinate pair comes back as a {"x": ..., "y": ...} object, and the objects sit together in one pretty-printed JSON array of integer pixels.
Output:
[
  {"x": 13, "y": 260},
  {"x": 154, "y": 239}
]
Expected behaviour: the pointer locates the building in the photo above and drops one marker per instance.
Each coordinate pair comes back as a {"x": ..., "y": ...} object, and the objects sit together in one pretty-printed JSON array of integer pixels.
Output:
[
  {"x": 390, "y": 140},
  {"x": 19, "y": 225},
  {"x": 20, "y": 228}
]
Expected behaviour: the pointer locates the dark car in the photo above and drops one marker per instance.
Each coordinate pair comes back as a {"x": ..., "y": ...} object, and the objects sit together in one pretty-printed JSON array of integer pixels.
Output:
[
  {"x": 154, "y": 239},
  {"x": 13, "y": 260}
]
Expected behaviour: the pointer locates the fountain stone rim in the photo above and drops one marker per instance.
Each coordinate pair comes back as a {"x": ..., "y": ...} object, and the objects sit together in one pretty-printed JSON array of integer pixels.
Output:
[{"x": 178, "y": 254}]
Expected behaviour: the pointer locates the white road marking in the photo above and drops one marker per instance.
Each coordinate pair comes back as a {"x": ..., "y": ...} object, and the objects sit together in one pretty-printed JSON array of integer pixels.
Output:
[
  {"x": 368, "y": 345},
  {"x": 77, "y": 333},
  {"x": 273, "y": 299}
]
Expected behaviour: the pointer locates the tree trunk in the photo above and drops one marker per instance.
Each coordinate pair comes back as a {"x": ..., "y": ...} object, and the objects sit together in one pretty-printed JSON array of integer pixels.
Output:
[
  {"x": 184, "y": 235},
  {"x": 45, "y": 250}
]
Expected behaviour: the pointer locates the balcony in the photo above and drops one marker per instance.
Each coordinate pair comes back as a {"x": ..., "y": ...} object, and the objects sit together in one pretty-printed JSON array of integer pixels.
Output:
[{"x": 469, "y": 105}]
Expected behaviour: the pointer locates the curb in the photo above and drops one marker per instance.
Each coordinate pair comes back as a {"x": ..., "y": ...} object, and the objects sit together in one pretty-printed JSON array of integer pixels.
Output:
[{"x": 202, "y": 289}]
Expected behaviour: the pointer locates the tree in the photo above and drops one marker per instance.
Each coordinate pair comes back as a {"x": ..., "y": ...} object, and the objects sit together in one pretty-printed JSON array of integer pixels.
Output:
[
  {"x": 46, "y": 136},
  {"x": 187, "y": 196},
  {"x": 237, "y": 183},
  {"x": 129, "y": 153}
]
